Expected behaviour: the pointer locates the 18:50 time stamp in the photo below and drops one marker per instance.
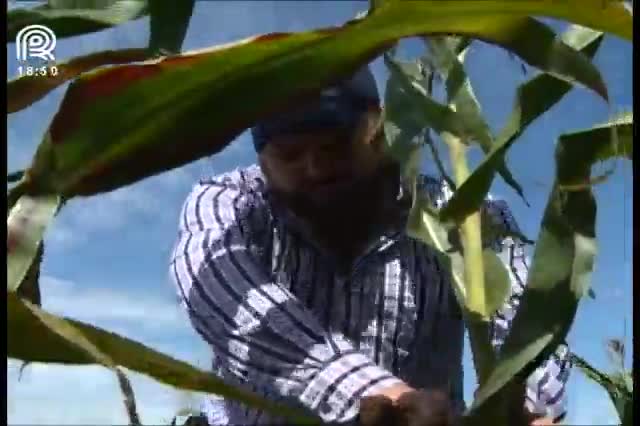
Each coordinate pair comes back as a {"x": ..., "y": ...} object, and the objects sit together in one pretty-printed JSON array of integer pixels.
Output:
[{"x": 44, "y": 71}]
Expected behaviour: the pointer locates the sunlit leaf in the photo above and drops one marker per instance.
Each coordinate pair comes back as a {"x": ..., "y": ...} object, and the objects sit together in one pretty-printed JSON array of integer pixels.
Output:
[
  {"x": 59, "y": 328},
  {"x": 197, "y": 102},
  {"x": 57, "y": 340},
  {"x": 533, "y": 98},
  {"x": 29, "y": 288},
  {"x": 169, "y": 21},
  {"x": 25, "y": 90},
  {"x": 560, "y": 273},
  {"x": 69, "y": 18},
  {"x": 621, "y": 395},
  {"x": 406, "y": 95},
  {"x": 26, "y": 224},
  {"x": 540, "y": 93},
  {"x": 616, "y": 352},
  {"x": 460, "y": 94},
  {"x": 438, "y": 161},
  {"x": 599, "y": 143},
  {"x": 403, "y": 123},
  {"x": 458, "y": 88},
  {"x": 497, "y": 280},
  {"x": 424, "y": 226},
  {"x": 470, "y": 195},
  {"x": 129, "y": 397}
]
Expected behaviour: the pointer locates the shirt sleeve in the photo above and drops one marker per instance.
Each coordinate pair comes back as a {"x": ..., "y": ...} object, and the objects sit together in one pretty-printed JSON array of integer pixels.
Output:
[
  {"x": 259, "y": 331},
  {"x": 546, "y": 386}
]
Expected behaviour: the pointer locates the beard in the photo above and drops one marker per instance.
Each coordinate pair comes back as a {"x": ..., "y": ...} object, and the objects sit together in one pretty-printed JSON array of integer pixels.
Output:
[{"x": 347, "y": 216}]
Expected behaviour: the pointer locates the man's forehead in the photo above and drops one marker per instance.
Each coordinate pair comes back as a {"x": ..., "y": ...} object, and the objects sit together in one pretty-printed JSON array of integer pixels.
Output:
[{"x": 312, "y": 138}]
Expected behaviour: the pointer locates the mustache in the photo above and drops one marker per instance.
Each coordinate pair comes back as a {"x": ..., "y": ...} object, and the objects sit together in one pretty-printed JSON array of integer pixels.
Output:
[{"x": 356, "y": 191}]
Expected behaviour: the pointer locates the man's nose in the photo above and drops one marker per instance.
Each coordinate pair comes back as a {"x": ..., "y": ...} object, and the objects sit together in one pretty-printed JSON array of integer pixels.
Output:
[{"x": 320, "y": 164}]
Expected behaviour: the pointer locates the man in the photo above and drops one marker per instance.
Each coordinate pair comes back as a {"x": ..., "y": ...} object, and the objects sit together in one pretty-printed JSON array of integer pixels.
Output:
[{"x": 299, "y": 274}]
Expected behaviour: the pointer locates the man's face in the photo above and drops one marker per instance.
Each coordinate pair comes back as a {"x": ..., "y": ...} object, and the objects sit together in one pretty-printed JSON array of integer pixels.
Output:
[{"x": 327, "y": 170}]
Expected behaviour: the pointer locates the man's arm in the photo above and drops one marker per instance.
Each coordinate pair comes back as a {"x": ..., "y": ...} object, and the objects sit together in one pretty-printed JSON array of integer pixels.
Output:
[
  {"x": 545, "y": 391},
  {"x": 259, "y": 331}
]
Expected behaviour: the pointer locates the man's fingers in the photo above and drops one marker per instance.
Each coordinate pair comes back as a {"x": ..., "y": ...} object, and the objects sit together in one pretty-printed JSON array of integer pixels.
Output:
[
  {"x": 425, "y": 408},
  {"x": 376, "y": 410}
]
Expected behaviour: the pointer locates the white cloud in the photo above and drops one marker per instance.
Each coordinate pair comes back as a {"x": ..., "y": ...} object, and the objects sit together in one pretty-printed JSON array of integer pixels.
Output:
[
  {"x": 48, "y": 394},
  {"x": 108, "y": 306},
  {"x": 156, "y": 199}
]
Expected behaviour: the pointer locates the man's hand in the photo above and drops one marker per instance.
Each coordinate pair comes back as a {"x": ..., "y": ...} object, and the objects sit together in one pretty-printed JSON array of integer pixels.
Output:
[{"x": 401, "y": 405}]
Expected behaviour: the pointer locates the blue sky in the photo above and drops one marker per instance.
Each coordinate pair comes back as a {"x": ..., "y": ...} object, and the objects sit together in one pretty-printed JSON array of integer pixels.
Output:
[{"x": 107, "y": 256}]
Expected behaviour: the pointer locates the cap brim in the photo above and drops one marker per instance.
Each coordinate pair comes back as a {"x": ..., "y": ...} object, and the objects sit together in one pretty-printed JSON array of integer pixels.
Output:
[{"x": 325, "y": 113}]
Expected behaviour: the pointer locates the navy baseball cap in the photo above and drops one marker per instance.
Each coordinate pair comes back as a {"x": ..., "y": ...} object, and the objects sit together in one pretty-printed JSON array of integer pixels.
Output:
[{"x": 339, "y": 106}]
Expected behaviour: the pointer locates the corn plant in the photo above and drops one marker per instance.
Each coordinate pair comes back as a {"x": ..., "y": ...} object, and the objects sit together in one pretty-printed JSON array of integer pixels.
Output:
[
  {"x": 172, "y": 125},
  {"x": 618, "y": 384},
  {"x": 567, "y": 227}
]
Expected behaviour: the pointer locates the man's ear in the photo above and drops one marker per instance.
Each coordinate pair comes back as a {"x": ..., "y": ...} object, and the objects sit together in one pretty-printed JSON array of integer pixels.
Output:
[{"x": 370, "y": 130}]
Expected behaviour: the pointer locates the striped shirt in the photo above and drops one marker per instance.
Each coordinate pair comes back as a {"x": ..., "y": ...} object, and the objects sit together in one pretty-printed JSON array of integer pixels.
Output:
[{"x": 282, "y": 322}]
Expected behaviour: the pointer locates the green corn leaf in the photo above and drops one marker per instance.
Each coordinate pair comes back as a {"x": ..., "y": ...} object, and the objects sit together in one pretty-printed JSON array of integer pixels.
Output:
[
  {"x": 68, "y": 18},
  {"x": 29, "y": 288},
  {"x": 459, "y": 90},
  {"x": 473, "y": 191},
  {"x": 533, "y": 98},
  {"x": 26, "y": 224},
  {"x": 497, "y": 281},
  {"x": 196, "y": 98},
  {"x": 58, "y": 340},
  {"x": 621, "y": 395},
  {"x": 423, "y": 225},
  {"x": 539, "y": 94},
  {"x": 599, "y": 143},
  {"x": 407, "y": 95},
  {"x": 169, "y": 21},
  {"x": 438, "y": 161},
  {"x": 59, "y": 329},
  {"x": 23, "y": 91},
  {"x": 460, "y": 94},
  {"x": 403, "y": 123},
  {"x": 129, "y": 397},
  {"x": 562, "y": 262}
]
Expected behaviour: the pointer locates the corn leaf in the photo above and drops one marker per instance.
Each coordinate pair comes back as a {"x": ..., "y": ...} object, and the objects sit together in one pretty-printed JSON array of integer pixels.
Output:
[
  {"x": 473, "y": 191},
  {"x": 169, "y": 21},
  {"x": 197, "y": 103},
  {"x": 621, "y": 395},
  {"x": 403, "y": 122},
  {"x": 23, "y": 91},
  {"x": 458, "y": 88},
  {"x": 129, "y": 397},
  {"x": 68, "y": 18},
  {"x": 29, "y": 288},
  {"x": 26, "y": 224},
  {"x": 423, "y": 225},
  {"x": 460, "y": 94},
  {"x": 497, "y": 281},
  {"x": 62, "y": 329},
  {"x": 540, "y": 93},
  {"x": 533, "y": 99},
  {"x": 408, "y": 95},
  {"x": 58, "y": 340},
  {"x": 562, "y": 263},
  {"x": 599, "y": 143}
]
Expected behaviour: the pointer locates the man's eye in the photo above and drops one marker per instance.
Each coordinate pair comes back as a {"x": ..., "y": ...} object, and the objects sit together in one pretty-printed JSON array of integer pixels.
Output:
[{"x": 288, "y": 154}]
